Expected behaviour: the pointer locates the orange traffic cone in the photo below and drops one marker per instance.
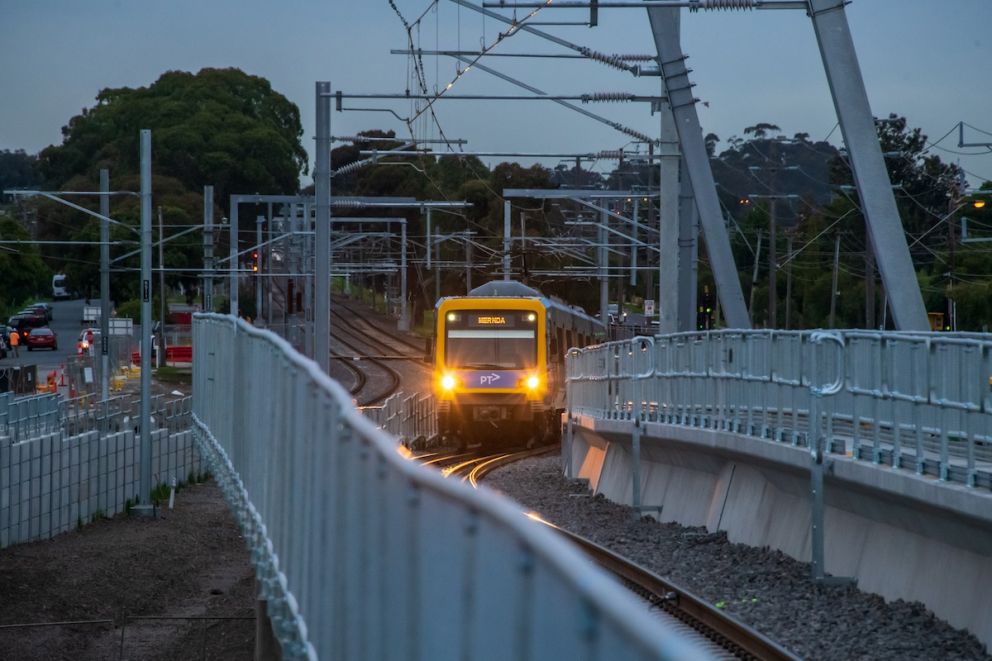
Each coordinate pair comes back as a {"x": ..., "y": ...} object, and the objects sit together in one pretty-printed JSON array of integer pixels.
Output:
[{"x": 62, "y": 377}]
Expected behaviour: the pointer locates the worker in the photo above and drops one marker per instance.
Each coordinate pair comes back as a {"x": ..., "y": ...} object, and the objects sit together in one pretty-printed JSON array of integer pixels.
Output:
[{"x": 15, "y": 340}]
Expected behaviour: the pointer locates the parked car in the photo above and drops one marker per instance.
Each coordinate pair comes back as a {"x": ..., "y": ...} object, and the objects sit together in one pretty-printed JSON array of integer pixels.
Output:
[
  {"x": 36, "y": 316},
  {"x": 42, "y": 338},
  {"x": 42, "y": 307},
  {"x": 24, "y": 323}
]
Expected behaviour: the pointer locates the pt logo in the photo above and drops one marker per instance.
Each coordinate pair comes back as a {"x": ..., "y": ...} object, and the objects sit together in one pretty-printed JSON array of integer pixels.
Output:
[{"x": 488, "y": 379}]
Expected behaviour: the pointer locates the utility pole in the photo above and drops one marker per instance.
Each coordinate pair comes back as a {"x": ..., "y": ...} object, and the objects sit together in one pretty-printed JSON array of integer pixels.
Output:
[
  {"x": 869, "y": 281},
  {"x": 468, "y": 263},
  {"x": 208, "y": 248},
  {"x": 435, "y": 245},
  {"x": 754, "y": 276},
  {"x": 772, "y": 264},
  {"x": 788, "y": 280},
  {"x": 633, "y": 246},
  {"x": 604, "y": 283},
  {"x": 833, "y": 285},
  {"x": 404, "y": 312},
  {"x": 506, "y": 239},
  {"x": 951, "y": 321},
  {"x": 104, "y": 284},
  {"x": 145, "y": 424},
  {"x": 161, "y": 288},
  {"x": 268, "y": 263},
  {"x": 257, "y": 277},
  {"x": 322, "y": 268},
  {"x": 649, "y": 291}
]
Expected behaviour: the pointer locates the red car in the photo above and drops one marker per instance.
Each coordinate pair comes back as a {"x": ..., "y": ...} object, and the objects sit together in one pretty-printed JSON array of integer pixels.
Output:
[{"x": 43, "y": 337}]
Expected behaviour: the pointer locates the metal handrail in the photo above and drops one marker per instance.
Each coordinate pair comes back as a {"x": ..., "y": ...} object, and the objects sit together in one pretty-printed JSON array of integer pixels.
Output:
[
  {"x": 359, "y": 551},
  {"x": 922, "y": 400}
]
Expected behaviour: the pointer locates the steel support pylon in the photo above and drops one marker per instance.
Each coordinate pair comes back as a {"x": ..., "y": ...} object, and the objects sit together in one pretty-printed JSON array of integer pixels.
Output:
[
  {"x": 847, "y": 87},
  {"x": 671, "y": 61}
]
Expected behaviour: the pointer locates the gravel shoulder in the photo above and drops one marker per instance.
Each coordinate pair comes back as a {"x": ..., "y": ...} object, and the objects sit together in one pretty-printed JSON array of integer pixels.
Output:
[
  {"x": 188, "y": 562},
  {"x": 762, "y": 587}
]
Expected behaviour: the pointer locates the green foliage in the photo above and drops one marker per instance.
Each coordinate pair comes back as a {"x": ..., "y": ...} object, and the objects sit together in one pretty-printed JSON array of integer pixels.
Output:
[
  {"x": 176, "y": 375},
  {"x": 23, "y": 275},
  {"x": 159, "y": 494},
  {"x": 220, "y": 127},
  {"x": 132, "y": 309},
  {"x": 17, "y": 170}
]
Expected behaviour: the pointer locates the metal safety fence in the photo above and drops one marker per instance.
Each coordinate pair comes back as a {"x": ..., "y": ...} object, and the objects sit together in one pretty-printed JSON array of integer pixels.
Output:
[
  {"x": 28, "y": 417},
  {"x": 410, "y": 418},
  {"x": 363, "y": 554},
  {"x": 916, "y": 401}
]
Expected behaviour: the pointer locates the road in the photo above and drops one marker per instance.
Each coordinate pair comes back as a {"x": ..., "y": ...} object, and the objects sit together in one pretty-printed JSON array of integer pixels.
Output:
[{"x": 66, "y": 317}]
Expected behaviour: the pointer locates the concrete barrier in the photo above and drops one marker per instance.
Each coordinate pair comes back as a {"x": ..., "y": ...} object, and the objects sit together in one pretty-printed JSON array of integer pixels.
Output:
[{"x": 900, "y": 534}]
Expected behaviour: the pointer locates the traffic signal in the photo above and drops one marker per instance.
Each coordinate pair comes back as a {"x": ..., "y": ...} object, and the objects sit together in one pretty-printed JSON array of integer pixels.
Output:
[
  {"x": 704, "y": 312},
  {"x": 254, "y": 261}
]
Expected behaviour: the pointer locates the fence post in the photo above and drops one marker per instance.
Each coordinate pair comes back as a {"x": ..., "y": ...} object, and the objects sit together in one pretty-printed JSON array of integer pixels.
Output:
[{"x": 816, "y": 450}]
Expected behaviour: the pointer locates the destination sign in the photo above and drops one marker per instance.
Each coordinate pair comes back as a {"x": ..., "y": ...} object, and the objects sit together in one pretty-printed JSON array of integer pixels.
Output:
[{"x": 495, "y": 320}]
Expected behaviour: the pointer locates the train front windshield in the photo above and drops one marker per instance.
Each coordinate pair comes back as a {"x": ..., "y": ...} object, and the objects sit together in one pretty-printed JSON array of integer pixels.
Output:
[{"x": 487, "y": 339}]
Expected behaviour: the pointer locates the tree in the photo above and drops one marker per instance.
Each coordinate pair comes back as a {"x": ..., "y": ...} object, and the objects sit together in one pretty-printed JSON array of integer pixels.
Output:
[
  {"x": 220, "y": 127},
  {"x": 17, "y": 170},
  {"x": 761, "y": 129},
  {"x": 22, "y": 273}
]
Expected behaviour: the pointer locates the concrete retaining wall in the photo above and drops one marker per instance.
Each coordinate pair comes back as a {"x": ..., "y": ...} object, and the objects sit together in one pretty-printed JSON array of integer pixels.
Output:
[
  {"x": 49, "y": 485},
  {"x": 901, "y": 535}
]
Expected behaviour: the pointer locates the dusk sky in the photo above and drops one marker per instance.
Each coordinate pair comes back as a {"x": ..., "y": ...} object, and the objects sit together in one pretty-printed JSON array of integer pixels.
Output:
[{"x": 924, "y": 59}]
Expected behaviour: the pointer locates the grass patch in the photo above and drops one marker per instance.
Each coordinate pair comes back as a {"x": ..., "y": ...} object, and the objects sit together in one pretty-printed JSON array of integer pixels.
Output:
[{"x": 170, "y": 374}]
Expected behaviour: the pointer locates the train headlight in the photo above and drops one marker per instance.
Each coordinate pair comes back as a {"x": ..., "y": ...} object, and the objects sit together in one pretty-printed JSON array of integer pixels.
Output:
[
  {"x": 531, "y": 317},
  {"x": 533, "y": 382},
  {"x": 448, "y": 382}
]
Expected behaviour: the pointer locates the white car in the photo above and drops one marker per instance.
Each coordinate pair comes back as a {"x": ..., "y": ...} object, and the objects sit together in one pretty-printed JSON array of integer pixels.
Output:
[{"x": 88, "y": 338}]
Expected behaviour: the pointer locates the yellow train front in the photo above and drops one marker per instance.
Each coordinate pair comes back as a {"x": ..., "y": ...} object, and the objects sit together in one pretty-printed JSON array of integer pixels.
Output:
[{"x": 499, "y": 364}]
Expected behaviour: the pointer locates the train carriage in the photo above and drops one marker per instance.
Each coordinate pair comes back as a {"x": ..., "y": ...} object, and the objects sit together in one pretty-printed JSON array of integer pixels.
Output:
[{"x": 499, "y": 371}]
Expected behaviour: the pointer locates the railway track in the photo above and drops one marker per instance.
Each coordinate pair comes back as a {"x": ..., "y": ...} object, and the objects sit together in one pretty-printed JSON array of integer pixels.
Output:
[
  {"x": 357, "y": 314},
  {"x": 360, "y": 378},
  {"x": 345, "y": 327},
  {"x": 721, "y": 633},
  {"x": 475, "y": 466}
]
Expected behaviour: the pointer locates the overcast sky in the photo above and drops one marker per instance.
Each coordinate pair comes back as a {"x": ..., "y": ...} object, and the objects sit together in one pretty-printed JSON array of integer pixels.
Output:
[{"x": 926, "y": 59}]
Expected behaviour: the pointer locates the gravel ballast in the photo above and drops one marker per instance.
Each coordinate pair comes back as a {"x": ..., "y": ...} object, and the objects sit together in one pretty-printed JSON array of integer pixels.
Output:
[{"x": 762, "y": 587}]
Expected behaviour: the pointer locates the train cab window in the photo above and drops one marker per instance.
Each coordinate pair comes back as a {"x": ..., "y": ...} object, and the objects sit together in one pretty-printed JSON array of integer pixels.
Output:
[{"x": 490, "y": 339}]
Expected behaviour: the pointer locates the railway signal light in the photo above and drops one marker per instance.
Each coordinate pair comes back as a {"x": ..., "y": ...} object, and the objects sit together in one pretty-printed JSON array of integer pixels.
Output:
[
  {"x": 254, "y": 261},
  {"x": 704, "y": 313}
]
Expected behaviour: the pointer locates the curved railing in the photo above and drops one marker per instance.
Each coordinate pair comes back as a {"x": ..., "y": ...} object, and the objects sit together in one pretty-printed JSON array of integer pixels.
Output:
[
  {"x": 362, "y": 554},
  {"x": 918, "y": 401}
]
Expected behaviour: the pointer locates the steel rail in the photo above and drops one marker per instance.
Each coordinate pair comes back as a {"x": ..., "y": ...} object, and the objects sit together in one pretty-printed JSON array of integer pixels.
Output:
[
  {"x": 379, "y": 329},
  {"x": 393, "y": 375},
  {"x": 721, "y": 628}
]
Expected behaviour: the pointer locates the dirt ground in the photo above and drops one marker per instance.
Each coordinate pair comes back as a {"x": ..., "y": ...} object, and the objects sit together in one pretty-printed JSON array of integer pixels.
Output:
[
  {"x": 187, "y": 563},
  {"x": 190, "y": 562}
]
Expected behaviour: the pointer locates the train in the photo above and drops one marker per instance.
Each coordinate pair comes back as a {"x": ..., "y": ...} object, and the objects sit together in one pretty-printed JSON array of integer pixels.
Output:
[{"x": 499, "y": 364}]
